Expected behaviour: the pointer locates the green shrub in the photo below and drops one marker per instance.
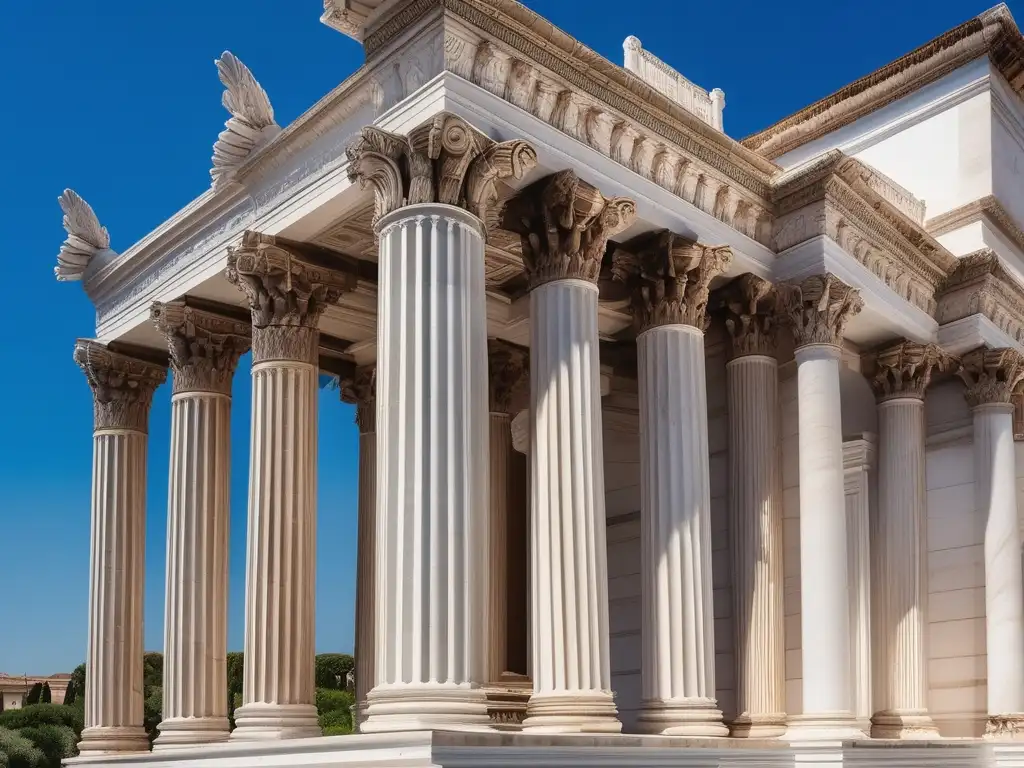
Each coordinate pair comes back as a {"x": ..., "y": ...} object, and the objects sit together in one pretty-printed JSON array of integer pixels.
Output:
[
  {"x": 55, "y": 742},
  {"x": 46, "y": 697},
  {"x": 337, "y": 730},
  {"x": 42, "y": 714},
  {"x": 152, "y": 669},
  {"x": 328, "y": 700},
  {"x": 78, "y": 680},
  {"x": 332, "y": 668},
  {"x": 33, "y": 695},
  {"x": 69, "y": 694},
  {"x": 20, "y": 751},
  {"x": 152, "y": 710}
]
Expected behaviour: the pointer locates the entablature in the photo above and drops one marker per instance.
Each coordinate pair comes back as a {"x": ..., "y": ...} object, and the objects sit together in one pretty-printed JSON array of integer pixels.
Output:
[{"x": 981, "y": 287}]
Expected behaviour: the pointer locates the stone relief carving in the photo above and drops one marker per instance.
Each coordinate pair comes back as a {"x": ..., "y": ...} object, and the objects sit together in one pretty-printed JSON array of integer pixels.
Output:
[
  {"x": 818, "y": 309},
  {"x": 445, "y": 161},
  {"x": 980, "y": 285},
  {"x": 508, "y": 369},
  {"x": 564, "y": 224},
  {"x": 122, "y": 386},
  {"x": 286, "y": 294},
  {"x": 204, "y": 347},
  {"x": 669, "y": 278},
  {"x": 1005, "y": 727},
  {"x": 86, "y": 237},
  {"x": 905, "y": 369},
  {"x": 339, "y": 15},
  {"x": 361, "y": 391},
  {"x": 251, "y": 124},
  {"x": 991, "y": 375},
  {"x": 751, "y": 305}
]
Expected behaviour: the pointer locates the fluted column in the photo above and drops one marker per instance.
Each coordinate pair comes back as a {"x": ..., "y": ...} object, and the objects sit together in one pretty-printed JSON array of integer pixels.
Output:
[
  {"x": 991, "y": 377},
  {"x": 432, "y": 418},
  {"x": 565, "y": 224},
  {"x": 669, "y": 278},
  {"x": 360, "y": 391},
  {"x": 755, "y": 510},
  {"x": 900, "y": 374},
  {"x": 818, "y": 310},
  {"x": 204, "y": 353},
  {"x": 122, "y": 390},
  {"x": 286, "y": 295}
]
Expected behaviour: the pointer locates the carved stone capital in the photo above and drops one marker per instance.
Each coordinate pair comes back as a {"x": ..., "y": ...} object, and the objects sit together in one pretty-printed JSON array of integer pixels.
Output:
[
  {"x": 508, "y": 366},
  {"x": 287, "y": 295},
  {"x": 669, "y": 278},
  {"x": 122, "y": 386},
  {"x": 904, "y": 369},
  {"x": 361, "y": 391},
  {"x": 204, "y": 348},
  {"x": 818, "y": 309},
  {"x": 991, "y": 375},
  {"x": 445, "y": 160},
  {"x": 565, "y": 224},
  {"x": 751, "y": 305}
]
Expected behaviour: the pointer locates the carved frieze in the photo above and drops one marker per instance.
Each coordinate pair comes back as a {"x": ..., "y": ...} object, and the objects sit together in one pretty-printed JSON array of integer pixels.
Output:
[
  {"x": 905, "y": 369},
  {"x": 361, "y": 391},
  {"x": 286, "y": 294},
  {"x": 669, "y": 278},
  {"x": 981, "y": 285},
  {"x": 818, "y": 309},
  {"x": 991, "y": 375},
  {"x": 204, "y": 347},
  {"x": 564, "y": 224},
  {"x": 122, "y": 386},
  {"x": 751, "y": 305},
  {"x": 445, "y": 161},
  {"x": 508, "y": 368}
]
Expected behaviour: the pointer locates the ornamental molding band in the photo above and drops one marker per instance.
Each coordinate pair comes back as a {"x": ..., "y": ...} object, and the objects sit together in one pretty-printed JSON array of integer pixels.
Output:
[
  {"x": 870, "y": 217},
  {"x": 348, "y": 16},
  {"x": 981, "y": 285},
  {"x": 905, "y": 369},
  {"x": 751, "y": 306},
  {"x": 445, "y": 160},
  {"x": 564, "y": 224},
  {"x": 991, "y": 375},
  {"x": 86, "y": 238},
  {"x": 204, "y": 347},
  {"x": 360, "y": 390},
  {"x": 993, "y": 34},
  {"x": 509, "y": 370},
  {"x": 251, "y": 124},
  {"x": 987, "y": 209},
  {"x": 122, "y": 386},
  {"x": 669, "y": 278},
  {"x": 818, "y": 309},
  {"x": 288, "y": 288}
]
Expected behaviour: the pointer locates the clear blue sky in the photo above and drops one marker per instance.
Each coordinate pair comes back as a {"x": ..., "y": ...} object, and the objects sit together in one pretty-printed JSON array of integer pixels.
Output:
[{"x": 120, "y": 100}]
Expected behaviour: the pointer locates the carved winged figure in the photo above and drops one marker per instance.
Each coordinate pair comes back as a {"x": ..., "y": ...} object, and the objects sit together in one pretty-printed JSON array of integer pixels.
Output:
[
  {"x": 251, "y": 123},
  {"x": 86, "y": 237}
]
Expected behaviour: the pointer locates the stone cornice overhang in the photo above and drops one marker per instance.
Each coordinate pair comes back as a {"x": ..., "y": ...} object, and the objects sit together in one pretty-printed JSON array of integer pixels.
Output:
[
  {"x": 839, "y": 197},
  {"x": 987, "y": 207},
  {"x": 980, "y": 285},
  {"x": 994, "y": 34}
]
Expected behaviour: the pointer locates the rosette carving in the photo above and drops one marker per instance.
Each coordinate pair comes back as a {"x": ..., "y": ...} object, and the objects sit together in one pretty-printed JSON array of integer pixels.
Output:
[
  {"x": 751, "y": 305},
  {"x": 361, "y": 391},
  {"x": 204, "y": 348},
  {"x": 818, "y": 309},
  {"x": 565, "y": 224},
  {"x": 991, "y": 375},
  {"x": 122, "y": 386},
  {"x": 905, "y": 369},
  {"x": 669, "y": 278},
  {"x": 508, "y": 365}
]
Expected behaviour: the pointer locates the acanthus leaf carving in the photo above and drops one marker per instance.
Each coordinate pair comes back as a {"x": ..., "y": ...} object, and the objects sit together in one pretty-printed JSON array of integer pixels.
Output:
[
  {"x": 360, "y": 390},
  {"x": 251, "y": 124},
  {"x": 204, "y": 348},
  {"x": 905, "y": 369},
  {"x": 122, "y": 386},
  {"x": 992, "y": 376},
  {"x": 86, "y": 237},
  {"x": 508, "y": 368},
  {"x": 751, "y": 305},
  {"x": 818, "y": 309}
]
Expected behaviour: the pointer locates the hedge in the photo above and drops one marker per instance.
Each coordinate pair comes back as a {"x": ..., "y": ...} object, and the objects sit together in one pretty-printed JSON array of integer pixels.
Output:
[
  {"x": 18, "y": 751},
  {"x": 43, "y": 714},
  {"x": 55, "y": 742}
]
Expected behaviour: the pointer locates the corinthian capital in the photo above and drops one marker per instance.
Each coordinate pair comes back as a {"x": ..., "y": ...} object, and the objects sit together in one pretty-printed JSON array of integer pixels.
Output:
[
  {"x": 904, "y": 369},
  {"x": 508, "y": 365},
  {"x": 751, "y": 305},
  {"x": 819, "y": 308},
  {"x": 122, "y": 386},
  {"x": 669, "y": 278},
  {"x": 444, "y": 161},
  {"x": 361, "y": 391},
  {"x": 565, "y": 224},
  {"x": 204, "y": 347},
  {"x": 991, "y": 375}
]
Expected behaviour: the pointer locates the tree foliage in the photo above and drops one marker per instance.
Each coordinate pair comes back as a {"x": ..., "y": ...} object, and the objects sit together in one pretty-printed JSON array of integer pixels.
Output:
[
  {"x": 33, "y": 695},
  {"x": 332, "y": 669},
  {"x": 45, "y": 697}
]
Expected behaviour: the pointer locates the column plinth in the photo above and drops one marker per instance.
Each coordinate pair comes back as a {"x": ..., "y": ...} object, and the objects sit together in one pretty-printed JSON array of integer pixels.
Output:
[{"x": 122, "y": 393}]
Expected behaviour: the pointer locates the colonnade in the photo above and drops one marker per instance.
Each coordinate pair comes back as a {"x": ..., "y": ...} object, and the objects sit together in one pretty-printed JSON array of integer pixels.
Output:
[{"x": 433, "y": 447}]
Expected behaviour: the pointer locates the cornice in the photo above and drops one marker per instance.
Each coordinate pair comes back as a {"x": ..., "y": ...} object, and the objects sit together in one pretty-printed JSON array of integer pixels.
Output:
[
  {"x": 987, "y": 207},
  {"x": 981, "y": 285},
  {"x": 993, "y": 33}
]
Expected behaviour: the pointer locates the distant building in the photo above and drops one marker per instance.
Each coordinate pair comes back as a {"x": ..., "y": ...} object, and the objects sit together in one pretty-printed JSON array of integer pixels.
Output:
[{"x": 14, "y": 689}]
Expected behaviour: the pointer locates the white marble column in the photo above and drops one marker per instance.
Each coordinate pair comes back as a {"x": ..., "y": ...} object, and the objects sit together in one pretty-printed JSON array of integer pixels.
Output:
[
  {"x": 818, "y": 309},
  {"x": 900, "y": 374},
  {"x": 204, "y": 352},
  {"x": 287, "y": 295},
  {"x": 360, "y": 391},
  {"x": 669, "y": 278},
  {"x": 432, "y": 418},
  {"x": 569, "y": 569},
  {"x": 755, "y": 511},
  {"x": 991, "y": 377},
  {"x": 122, "y": 390}
]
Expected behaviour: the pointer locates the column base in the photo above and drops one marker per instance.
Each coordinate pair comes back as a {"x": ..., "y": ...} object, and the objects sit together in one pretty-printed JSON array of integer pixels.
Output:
[
  {"x": 681, "y": 717},
  {"x": 908, "y": 724},
  {"x": 1002, "y": 727},
  {"x": 191, "y": 731},
  {"x": 758, "y": 726},
  {"x": 265, "y": 722},
  {"x": 112, "y": 740},
  {"x": 425, "y": 707},
  {"x": 823, "y": 726},
  {"x": 582, "y": 712}
]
